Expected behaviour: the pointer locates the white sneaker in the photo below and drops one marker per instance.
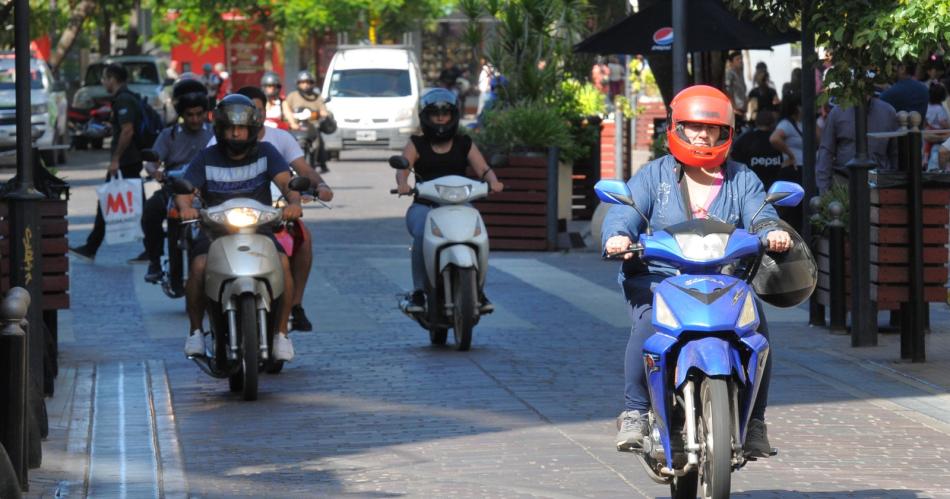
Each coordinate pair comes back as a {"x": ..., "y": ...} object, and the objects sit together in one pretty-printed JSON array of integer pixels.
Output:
[
  {"x": 283, "y": 348},
  {"x": 195, "y": 344}
]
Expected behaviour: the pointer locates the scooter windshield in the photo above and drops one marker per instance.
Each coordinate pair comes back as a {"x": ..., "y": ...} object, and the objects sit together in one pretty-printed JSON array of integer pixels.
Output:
[{"x": 699, "y": 243}]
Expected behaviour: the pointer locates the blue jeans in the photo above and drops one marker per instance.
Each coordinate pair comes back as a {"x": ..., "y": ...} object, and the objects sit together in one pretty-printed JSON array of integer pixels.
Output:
[
  {"x": 640, "y": 300},
  {"x": 416, "y": 224}
]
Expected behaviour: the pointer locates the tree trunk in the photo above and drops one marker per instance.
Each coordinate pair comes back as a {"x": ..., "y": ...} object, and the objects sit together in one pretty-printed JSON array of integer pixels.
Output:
[
  {"x": 80, "y": 12},
  {"x": 132, "y": 46},
  {"x": 105, "y": 33}
]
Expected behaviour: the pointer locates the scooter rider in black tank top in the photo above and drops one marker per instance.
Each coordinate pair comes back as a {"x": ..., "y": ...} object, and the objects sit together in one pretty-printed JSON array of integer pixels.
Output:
[{"x": 440, "y": 151}]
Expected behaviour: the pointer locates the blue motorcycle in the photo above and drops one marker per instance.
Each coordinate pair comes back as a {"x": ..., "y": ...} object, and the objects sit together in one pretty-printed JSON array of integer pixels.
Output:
[{"x": 705, "y": 362}]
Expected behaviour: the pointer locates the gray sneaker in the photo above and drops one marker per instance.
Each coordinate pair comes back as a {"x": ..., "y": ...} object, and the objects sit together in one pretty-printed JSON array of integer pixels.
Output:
[
  {"x": 631, "y": 428},
  {"x": 757, "y": 439}
]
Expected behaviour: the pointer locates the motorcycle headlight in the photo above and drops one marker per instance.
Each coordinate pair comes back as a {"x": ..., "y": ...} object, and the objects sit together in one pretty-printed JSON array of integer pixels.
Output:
[
  {"x": 702, "y": 248},
  {"x": 454, "y": 194},
  {"x": 747, "y": 316},
  {"x": 242, "y": 217},
  {"x": 663, "y": 313}
]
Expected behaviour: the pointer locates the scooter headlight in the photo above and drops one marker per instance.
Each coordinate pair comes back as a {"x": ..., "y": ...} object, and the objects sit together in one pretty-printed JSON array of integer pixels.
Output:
[
  {"x": 747, "y": 316},
  {"x": 454, "y": 194},
  {"x": 663, "y": 313},
  {"x": 242, "y": 217},
  {"x": 702, "y": 248}
]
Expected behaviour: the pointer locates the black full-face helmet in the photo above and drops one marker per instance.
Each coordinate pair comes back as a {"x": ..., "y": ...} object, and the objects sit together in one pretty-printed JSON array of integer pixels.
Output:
[
  {"x": 436, "y": 101},
  {"x": 785, "y": 279},
  {"x": 270, "y": 83},
  {"x": 189, "y": 93},
  {"x": 237, "y": 110}
]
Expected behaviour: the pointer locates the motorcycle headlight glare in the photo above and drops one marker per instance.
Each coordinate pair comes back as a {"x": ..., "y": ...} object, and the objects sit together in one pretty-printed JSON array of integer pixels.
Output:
[
  {"x": 242, "y": 217},
  {"x": 436, "y": 231},
  {"x": 454, "y": 194},
  {"x": 663, "y": 313},
  {"x": 702, "y": 248},
  {"x": 747, "y": 316}
]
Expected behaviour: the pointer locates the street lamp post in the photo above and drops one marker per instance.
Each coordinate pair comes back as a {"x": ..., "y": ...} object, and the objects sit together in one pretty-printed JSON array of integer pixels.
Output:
[
  {"x": 25, "y": 236},
  {"x": 679, "y": 45}
]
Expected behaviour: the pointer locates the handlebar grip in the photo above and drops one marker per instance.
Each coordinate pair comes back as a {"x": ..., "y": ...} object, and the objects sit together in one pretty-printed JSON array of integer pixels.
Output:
[{"x": 394, "y": 191}]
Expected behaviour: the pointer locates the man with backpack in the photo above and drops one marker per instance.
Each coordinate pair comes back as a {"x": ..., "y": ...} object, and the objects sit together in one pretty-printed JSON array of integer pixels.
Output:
[{"x": 133, "y": 128}]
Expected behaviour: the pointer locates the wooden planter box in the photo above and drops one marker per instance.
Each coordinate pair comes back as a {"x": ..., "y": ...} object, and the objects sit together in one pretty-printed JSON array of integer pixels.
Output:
[
  {"x": 516, "y": 219},
  {"x": 890, "y": 249},
  {"x": 55, "y": 263}
]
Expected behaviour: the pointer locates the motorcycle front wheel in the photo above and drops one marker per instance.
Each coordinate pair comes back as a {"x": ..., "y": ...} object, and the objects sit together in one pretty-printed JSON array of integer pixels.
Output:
[
  {"x": 464, "y": 297},
  {"x": 250, "y": 344},
  {"x": 715, "y": 472}
]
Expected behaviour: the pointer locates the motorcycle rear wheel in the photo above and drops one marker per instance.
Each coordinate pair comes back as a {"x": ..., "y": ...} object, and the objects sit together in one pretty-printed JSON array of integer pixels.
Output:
[
  {"x": 250, "y": 343},
  {"x": 464, "y": 296},
  {"x": 716, "y": 454}
]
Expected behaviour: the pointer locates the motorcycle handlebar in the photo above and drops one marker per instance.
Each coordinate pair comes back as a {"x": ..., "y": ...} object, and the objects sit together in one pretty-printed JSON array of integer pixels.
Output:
[{"x": 633, "y": 249}]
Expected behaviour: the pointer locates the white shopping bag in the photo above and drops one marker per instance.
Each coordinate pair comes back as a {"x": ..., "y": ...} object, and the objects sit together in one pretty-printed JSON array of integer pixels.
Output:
[{"x": 121, "y": 202}]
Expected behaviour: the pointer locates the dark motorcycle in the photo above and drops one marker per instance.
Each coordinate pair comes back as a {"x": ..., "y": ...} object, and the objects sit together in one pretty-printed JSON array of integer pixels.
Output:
[
  {"x": 310, "y": 135},
  {"x": 90, "y": 126},
  {"x": 178, "y": 238}
]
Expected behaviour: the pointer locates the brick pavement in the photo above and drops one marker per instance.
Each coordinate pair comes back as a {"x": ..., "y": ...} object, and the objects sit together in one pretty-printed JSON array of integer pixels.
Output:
[{"x": 368, "y": 409}]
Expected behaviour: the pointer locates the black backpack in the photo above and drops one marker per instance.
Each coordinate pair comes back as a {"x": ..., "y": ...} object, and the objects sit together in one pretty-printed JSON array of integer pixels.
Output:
[{"x": 150, "y": 125}]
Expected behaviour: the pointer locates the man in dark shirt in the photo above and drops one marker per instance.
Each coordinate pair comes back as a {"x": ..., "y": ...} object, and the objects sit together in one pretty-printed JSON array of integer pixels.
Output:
[
  {"x": 907, "y": 94},
  {"x": 237, "y": 166},
  {"x": 126, "y": 158},
  {"x": 756, "y": 151}
]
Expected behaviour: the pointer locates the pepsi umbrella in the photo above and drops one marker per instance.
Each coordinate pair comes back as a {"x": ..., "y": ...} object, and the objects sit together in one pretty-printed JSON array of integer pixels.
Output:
[{"x": 709, "y": 27}]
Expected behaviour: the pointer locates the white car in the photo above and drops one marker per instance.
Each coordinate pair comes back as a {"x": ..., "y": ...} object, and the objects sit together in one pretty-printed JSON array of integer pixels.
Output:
[
  {"x": 373, "y": 93},
  {"x": 146, "y": 78},
  {"x": 47, "y": 107}
]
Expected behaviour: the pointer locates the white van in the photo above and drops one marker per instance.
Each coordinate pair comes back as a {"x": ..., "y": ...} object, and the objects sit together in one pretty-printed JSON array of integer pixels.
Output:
[{"x": 373, "y": 93}]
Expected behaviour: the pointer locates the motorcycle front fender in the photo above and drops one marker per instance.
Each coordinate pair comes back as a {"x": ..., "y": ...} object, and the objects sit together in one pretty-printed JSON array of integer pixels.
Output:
[
  {"x": 714, "y": 357},
  {"x": 237, "y": 287},
  {"x": 459, "y": 255}
]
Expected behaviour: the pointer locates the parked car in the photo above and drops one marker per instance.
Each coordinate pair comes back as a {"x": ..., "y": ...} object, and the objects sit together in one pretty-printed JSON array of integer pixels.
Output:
[
  {"x": 373, "y": 92},
  {"x": 146, "y": 78},
  {"x": 47, "y": 107}
]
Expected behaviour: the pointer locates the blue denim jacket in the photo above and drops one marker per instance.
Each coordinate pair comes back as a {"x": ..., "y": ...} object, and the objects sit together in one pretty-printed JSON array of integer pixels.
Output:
[{"x": 656, "y": 191}]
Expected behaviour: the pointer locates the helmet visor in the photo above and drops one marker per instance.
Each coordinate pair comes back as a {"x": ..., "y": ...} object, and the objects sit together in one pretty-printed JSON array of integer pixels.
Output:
[
  {"x": 703, "y": 134},
  {"x": 240, "y": 115}
]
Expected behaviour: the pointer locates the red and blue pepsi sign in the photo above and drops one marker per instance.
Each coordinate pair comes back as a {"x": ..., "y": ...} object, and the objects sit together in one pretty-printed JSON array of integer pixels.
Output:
[{"x": 663, "y": 39}]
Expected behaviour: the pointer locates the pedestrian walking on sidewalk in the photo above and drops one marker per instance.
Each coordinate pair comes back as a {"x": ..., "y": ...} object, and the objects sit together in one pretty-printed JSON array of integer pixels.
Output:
[{"x": 125, "y": 155}]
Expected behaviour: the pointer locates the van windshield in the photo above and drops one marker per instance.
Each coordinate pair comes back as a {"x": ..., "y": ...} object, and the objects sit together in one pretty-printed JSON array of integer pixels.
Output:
[
  {"x": 8, "y": 76},
  {"x": 370, "y": 83}
]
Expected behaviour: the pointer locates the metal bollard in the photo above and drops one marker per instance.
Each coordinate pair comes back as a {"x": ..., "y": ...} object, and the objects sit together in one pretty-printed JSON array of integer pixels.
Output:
[
  {"x": 816, "y": 311},
  {"x": 838, "y": 307},
  {"x": 14, "y": 427},
  {"x": 914, "y": 324},
  {"x": 863, "y": 310}
]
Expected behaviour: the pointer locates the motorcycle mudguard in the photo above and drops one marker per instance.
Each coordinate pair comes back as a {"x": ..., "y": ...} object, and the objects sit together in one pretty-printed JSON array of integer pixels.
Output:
[
  {"x": 759, "y": 348},
  {"x": 713, "y": 356},
  {"x": 459, "y": 255},
  {"x": 241, "y": 285}
]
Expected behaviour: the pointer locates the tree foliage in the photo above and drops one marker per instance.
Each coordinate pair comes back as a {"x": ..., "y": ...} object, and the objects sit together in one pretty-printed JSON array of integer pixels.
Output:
[{"x": 867, "y": 37}]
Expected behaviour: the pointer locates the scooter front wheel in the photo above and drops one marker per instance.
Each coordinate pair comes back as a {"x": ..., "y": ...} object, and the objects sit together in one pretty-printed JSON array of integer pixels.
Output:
[
  {"x": 715, "y": 460},
  {"x": 250, "y": 344},
  {"x": 464, "y": 296}
]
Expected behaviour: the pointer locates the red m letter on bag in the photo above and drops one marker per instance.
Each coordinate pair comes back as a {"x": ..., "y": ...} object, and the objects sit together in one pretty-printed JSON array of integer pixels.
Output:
[{"x": 116, "y": 204}]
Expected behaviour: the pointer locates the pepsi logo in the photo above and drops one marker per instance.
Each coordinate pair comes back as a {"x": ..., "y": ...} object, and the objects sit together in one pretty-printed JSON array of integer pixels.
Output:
[{"x": 663, "y": 36}]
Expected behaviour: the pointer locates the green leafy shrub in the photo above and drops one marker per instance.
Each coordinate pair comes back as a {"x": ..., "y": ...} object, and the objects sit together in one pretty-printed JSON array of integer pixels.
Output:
[
  {"x": 839, "y": 193},
  {"x": 528, "y": 126}
]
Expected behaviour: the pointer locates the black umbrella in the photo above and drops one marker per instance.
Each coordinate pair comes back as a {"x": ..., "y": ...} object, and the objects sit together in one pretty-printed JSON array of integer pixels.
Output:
[{"x": 710, "y": 27}]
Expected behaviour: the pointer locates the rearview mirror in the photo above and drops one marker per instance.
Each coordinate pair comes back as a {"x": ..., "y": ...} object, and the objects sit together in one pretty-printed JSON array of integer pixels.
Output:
[
  {"x": 150, "y": 155},
  {"x": 614, "y": 192},
  {"x": 784, "y": 193},
  {"x": 299, "y": 184},
  {"x": 399, "y": 162},
  {"x": 181, "y": 186}
]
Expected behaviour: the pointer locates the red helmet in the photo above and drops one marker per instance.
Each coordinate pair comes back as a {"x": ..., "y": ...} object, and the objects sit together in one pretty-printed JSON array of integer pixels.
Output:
[{"x": 700, "y": 104}]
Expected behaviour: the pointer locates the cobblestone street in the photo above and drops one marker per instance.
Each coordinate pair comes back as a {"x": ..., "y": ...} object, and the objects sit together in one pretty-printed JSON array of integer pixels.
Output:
[{"x": 369, "y": 409}]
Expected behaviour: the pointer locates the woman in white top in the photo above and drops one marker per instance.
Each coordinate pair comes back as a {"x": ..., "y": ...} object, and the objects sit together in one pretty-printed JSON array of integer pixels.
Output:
[{"x": 788, "y": 139}]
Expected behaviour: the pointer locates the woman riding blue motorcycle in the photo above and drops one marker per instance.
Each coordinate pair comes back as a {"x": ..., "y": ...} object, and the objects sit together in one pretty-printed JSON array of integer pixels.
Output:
[{"x": 695, "y": 181}]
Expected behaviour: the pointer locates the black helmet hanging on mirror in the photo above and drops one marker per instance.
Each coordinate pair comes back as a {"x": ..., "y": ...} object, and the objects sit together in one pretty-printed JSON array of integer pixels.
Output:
[
  {"x": 237, "y": 110},
  {"x": 785, "y": 279},
  {"x": 437, "y": 101},
  {"x": 188, "y": 93}
]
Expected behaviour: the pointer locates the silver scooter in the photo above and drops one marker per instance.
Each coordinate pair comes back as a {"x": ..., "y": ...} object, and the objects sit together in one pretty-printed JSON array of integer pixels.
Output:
[
  {"x": 455, "y": 248},
  {"x": 243, "y": 284}
]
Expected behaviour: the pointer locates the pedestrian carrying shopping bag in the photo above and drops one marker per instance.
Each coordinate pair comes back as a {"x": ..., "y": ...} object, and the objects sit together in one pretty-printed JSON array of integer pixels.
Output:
[{"x": 120, "y": 200}]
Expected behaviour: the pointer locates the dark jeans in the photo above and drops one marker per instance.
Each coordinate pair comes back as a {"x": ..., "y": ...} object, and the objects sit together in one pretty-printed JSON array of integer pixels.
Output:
[
  {"x": 640, "y": 299},
  {"x": 156, "y": 209},
  {"x": 99, "y": 226}
]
